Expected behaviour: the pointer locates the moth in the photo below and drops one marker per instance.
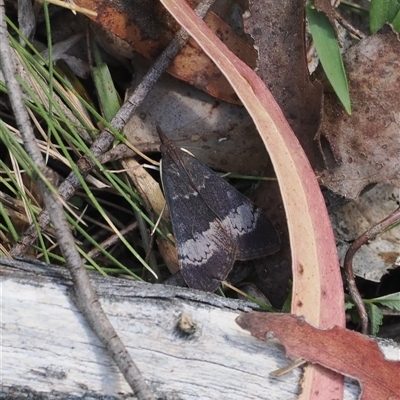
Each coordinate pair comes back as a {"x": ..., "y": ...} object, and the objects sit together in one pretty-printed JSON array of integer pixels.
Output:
[{"x": 213, "y": 223}]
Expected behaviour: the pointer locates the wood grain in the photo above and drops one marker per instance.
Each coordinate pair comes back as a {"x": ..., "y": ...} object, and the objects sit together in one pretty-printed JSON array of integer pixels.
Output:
[{"x": 49, "y": 351}]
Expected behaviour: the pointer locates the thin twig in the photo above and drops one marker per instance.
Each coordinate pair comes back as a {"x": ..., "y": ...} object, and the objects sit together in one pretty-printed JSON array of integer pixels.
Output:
[
  {"x": 370, "y": 234},
  {"x": 113, "y": 239},
  {"x": 122, "y": 151},
  {"x": 85, "y": 297},
  {"x": 346, "y": 25},
  {"x": 105, "y": 140}
]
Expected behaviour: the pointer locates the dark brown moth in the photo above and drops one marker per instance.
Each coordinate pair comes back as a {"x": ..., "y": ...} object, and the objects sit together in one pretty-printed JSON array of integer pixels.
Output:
[{"x": 213, "y": 223}]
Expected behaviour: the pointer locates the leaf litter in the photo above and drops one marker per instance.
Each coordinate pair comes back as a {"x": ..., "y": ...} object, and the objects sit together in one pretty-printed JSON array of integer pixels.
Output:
[{"x": 364, "y": 146}]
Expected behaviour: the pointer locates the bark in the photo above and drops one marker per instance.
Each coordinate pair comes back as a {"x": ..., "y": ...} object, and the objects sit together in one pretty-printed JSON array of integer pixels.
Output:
[{"x": 49, "y": 352}]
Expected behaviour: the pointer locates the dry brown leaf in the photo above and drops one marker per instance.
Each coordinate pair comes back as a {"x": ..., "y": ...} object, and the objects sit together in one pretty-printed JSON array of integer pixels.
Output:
[
  {"x": 366, "y": 144},
  {"x": 278, "y": 33},
  {"x": 375, "y": 258},
  {"x": 153, "y": 198},
  {"x": 219, "y": 134},
  {"x": 347, "y": 352},
  {"x": 147, "y": 28}
]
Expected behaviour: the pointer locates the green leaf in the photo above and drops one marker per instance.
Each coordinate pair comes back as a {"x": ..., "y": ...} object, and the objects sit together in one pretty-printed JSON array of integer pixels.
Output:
[
  {"x": 396, "y": 22},
  {"x": 288, "y": 302},
  {"x": 376, "y": 317},
  {"x": 106, "y": 93},
  {"x": 391, "y": 301},
  {"x": 348, "y": 305},
  {"x": 382, "y": 12},
  {"x": 328, "y": 51}
]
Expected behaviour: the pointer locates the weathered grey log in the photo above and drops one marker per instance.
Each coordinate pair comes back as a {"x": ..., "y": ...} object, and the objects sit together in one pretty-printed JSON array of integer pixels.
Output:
[{"x": 49, "y": 352}]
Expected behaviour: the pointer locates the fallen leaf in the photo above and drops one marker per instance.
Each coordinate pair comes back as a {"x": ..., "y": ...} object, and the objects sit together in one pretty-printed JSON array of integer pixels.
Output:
[
  {"x": 193, "y": 120},
  {"x": 278, "y": 33},
  {"x": 146, "y": 27},
  {"x": 347, "y": 352},
  {"x": 317, "y": 284},
  {"x": 366, "y": 145},
  {"x": 375, "y": 258}
]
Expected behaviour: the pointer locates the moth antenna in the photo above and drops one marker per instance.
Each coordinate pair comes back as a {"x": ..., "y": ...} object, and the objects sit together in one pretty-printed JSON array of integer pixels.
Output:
[{"x": 163, "y": 137}]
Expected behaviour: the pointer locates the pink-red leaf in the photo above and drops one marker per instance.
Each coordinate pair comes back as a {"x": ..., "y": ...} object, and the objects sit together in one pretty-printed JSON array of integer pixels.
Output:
[
  {"x": 347, "y": 352},
  {"x": 317, "y": 284}
]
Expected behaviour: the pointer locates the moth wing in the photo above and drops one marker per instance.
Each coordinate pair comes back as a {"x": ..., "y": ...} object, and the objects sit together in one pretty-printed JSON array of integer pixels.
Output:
[
  {"x": 207, "y": 259},
  {"x": 206, "y": 250},
  {"x": 249, "y": 228},
  {"x": 255, "y": 235}
]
